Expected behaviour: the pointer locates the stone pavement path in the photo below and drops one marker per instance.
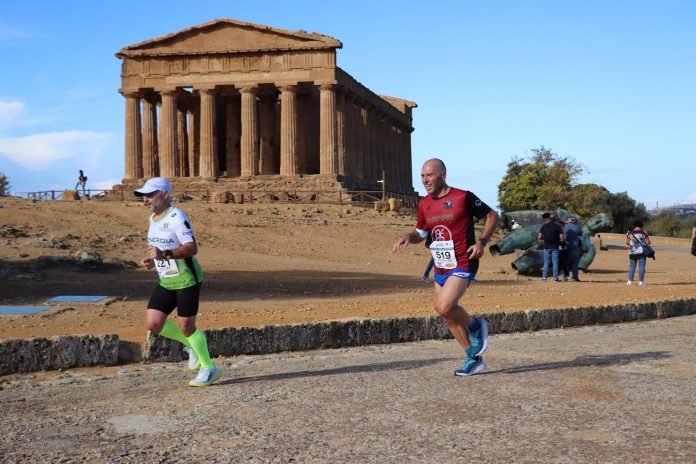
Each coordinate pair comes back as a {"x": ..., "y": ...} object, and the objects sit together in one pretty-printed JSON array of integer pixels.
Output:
[{"x": 620, "y": 393}]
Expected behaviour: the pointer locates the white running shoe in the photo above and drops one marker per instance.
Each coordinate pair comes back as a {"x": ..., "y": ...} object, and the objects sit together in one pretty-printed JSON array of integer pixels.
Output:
[
  {"x": 206, "y": 377},
  {"x": 629, "y": 282},
  {"x": 641, "y": 283},
  {"x": 193, "y": 361}
]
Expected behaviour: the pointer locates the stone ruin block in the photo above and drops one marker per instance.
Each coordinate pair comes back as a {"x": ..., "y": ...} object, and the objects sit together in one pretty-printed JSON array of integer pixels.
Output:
[
  {"x": 220, "y": 197},
  {"x": 381, "y": 206},
  {"x": 70, "y": 195}
]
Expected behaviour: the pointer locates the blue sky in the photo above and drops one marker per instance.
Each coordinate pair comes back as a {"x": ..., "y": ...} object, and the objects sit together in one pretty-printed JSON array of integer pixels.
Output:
[{"x": 610, "y": 84}]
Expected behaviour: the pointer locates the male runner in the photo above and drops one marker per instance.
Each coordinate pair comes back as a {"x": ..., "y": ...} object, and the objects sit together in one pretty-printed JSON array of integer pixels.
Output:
[
  {"x": 172, "y": 249},
  {"x": 448, "y": 214}
]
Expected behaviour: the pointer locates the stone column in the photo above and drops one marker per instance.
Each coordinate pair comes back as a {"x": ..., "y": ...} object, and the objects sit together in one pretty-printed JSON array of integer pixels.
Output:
[
  {"x": 149, "y": 137},
  {"x": 249, "y": 141},
  {"x": 380, "y": 146},
  {"x": 355, "y": 140},
  {"x": 182, "y": 142},
  {"x": 288, "y": 130},
  {"x": 341, "y": 133},
  {"x": 167, "y": 135},
  {"x": 365, "y": 141},
  {"x": 133, "y": 146},
  {"x": 394, "y": 139},
  {"x": 328, "y": 159},
  {"x": 234, "y": 129},
  {"x": 209, "y": 163},
  {"x": 407, "y": 156},
  {"x": 194, "y": 158},
  {"x": 372, "y": 170},
  {"x": 267, "y": 132}
]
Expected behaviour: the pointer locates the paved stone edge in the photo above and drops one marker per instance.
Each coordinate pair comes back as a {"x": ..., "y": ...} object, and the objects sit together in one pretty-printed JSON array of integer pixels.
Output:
[{"x": 68, "y": 351}]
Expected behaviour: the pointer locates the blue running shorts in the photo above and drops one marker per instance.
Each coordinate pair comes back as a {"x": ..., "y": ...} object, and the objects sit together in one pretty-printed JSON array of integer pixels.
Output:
[{"x": 440, "y": 279}]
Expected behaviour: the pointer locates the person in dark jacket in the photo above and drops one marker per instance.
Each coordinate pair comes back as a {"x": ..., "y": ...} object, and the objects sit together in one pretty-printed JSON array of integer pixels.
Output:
[
  {"x": 552, "y": 234},
  {"x": 563, "y": 256},
  {"x": 693, "y": 241},
  {"x": 572, "y": 233}
]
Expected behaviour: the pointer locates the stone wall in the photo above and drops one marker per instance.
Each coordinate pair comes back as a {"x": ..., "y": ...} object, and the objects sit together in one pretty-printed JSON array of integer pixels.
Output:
[{"x": 62, "y": 352}]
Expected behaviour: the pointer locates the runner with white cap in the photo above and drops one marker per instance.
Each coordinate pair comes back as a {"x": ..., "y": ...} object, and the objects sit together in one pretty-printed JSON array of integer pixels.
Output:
[{"x": 171, "y": 249}]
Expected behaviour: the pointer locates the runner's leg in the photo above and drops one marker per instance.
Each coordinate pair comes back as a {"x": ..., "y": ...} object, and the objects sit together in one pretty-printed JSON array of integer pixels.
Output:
[{"x": 447, "y": 306}]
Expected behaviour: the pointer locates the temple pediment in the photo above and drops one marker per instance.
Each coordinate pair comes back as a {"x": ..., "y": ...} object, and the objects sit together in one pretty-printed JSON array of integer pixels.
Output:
[{"x": 225, "y": 36}]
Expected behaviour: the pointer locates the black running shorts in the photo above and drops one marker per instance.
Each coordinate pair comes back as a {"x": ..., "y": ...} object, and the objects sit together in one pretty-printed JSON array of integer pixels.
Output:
[{"x": 185, "y": 300}]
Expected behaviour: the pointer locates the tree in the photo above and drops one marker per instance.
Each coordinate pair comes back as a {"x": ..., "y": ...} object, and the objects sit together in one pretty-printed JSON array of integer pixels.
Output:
[
  {"x": 666, "y": 224},
  {"x": 4, "y": 185},
  {"x": 545, "y": 181},
  {"x": 623, "y": 209},
  {"x": 588, "y": 200}
]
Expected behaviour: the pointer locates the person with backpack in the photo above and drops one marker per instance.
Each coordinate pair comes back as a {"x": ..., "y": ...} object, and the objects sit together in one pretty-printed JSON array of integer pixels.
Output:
[
  {"x": 552, "y": 235},
  {"x": 81, "y": 182},
  {"x": 636, "y": 239}
]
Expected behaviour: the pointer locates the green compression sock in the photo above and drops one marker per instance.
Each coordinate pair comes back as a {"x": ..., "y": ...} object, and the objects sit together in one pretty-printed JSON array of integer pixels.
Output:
[
  {"x": 173, "y": 332},
  {"x": 199, "y": 345}
]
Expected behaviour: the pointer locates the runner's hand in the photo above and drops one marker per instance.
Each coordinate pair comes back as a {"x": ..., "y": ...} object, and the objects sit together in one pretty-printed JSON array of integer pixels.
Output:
[
  {"x": 476, "y": 250},
  {"x": 154, "y": 252},
  {"x": 401, "y": 243},
  {"x": 149, "y": 263}
]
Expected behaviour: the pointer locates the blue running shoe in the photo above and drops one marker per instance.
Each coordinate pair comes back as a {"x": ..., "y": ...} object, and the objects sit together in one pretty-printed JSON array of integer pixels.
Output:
[
  {"x": 479, "y": 339},
  {"x": 470, "y": 367}
]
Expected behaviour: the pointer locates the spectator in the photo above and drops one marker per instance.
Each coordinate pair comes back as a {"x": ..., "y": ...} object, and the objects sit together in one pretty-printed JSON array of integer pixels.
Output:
[
  {"x": 635, "y": 239},
  {"x": 572, "y": 233},
  {"x": 563, "y": 262},
  {"x": 552, "y": 234}
]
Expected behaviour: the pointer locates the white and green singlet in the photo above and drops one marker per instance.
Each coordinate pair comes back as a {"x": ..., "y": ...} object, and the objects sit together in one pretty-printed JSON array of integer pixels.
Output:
[{"x": 171, "y": 231}]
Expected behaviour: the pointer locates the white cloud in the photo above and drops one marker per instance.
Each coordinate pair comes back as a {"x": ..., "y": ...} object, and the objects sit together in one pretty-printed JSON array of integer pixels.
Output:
[
  {"x": 10, "y": 111},
  {"x": 106, "y": 184},
  {"x": 38, "y": 151},
  {"x": 9, "y": 33}
]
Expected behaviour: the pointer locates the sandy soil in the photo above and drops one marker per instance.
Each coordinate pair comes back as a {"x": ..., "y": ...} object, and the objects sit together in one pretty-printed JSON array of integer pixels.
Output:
[{"x": 277, "y": 264}]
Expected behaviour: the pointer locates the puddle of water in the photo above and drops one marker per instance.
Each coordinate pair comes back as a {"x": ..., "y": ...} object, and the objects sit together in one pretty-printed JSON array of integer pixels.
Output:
[
  {"x": 76, "y": 298},
  {"x": 22, "y": 309}
]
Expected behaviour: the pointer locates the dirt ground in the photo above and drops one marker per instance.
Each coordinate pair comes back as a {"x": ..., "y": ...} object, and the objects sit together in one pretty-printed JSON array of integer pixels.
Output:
[{"x": 276, "y": 264}]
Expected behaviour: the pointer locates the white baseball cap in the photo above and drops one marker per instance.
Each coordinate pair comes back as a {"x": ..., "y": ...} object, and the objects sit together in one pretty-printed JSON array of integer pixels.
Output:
[{"x": 153, "y": 185}]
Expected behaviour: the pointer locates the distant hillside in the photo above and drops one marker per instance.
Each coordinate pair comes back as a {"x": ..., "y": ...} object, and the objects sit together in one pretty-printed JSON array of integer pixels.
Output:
[{"x": 679, "y": 210}]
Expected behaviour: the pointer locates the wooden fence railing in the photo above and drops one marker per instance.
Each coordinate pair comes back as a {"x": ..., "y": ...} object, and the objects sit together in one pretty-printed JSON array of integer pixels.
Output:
[{"x": 360, "y": 197}]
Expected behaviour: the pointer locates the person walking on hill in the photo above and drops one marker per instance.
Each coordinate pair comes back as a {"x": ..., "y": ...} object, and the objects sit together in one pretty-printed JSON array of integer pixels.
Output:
[
  {"x": 81, "y": 182},
  {"x": 552, "y": 235},
  {"x": 635, "y": 239},
  {"x": 172, "y": 250},
  {"x": 449, "y": 214}
]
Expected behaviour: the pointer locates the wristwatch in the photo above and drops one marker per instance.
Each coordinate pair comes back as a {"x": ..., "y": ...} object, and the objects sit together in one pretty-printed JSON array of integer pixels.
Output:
[
  {"x": 484, "y": 241},
  {"x": 167, "y": 254}
]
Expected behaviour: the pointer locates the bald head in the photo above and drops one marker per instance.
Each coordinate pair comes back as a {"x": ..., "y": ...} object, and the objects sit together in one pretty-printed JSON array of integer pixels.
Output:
[
  {"x": 436, "y": 163},
  {"x": 433, "y": 176}
]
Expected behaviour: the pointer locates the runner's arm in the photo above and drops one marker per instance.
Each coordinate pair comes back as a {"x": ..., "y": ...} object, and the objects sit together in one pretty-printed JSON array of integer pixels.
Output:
[
  {"x": 412, "y": 237},
  {"x": 186, "y": 250},
  {"x": 477, "y": 249}
]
